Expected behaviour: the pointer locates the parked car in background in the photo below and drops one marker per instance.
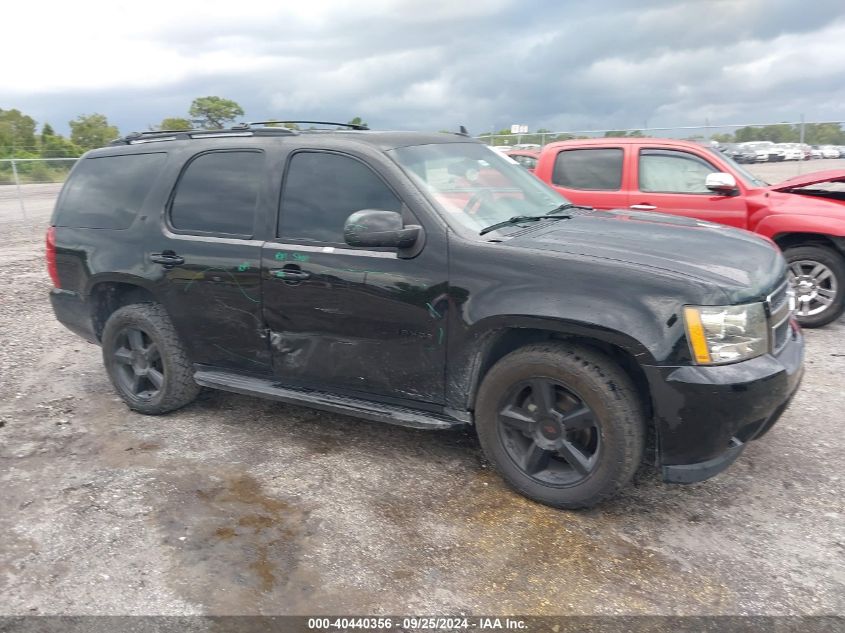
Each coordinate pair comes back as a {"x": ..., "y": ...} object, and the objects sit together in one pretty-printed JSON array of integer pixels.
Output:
[
  {"x": 758, "y": 153},
  {"x": 829, "y": 151},
  {"x": 805, "y": 216},
  {"x": 525, "y": 157},
  {"x": 791, "y": 151},
  {"x": 739, "y": 152},
  {"x": 766, "y": 151}
]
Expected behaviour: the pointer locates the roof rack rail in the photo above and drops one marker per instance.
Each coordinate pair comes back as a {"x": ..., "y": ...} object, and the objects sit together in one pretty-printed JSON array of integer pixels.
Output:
[
  {"x": 174, "y": 135},
  {"x": 135, "y": 137},
  {"x": 352, "y": 126}
]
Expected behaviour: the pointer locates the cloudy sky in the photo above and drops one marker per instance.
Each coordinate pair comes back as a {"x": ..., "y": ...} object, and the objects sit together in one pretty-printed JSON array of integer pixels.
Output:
[{"x": 430, "y": 64}]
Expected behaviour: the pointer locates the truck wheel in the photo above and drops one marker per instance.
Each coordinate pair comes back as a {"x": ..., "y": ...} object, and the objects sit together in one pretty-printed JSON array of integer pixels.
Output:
[
  {"x": 562, "y": 424},
  {"x": 146, "y": 360},
  {"x": 818, "y": 278}
]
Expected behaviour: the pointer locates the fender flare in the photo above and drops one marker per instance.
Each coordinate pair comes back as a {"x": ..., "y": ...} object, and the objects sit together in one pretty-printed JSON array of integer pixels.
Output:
[
  {"x": 830, "y": 228},
  {"x": 464, "y": 375}
]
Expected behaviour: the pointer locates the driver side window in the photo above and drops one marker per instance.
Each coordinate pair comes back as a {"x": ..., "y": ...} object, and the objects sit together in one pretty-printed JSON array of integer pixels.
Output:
[
  {"x": 668, "y": 171},
  {"x": 322, "y": 189}
]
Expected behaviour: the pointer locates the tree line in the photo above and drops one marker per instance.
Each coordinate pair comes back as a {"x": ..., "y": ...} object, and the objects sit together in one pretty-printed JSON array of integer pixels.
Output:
[
  {"x": 814, "y": 134},
  {"x": 19, "y": 137}
]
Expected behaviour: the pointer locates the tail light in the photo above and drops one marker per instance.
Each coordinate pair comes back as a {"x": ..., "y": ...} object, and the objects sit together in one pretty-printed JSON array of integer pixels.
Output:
[{"x": 51, "y": 256}]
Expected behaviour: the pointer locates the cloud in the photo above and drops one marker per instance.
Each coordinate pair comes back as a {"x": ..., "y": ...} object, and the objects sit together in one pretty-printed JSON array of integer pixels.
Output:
[{"x": 432, "y": 64}]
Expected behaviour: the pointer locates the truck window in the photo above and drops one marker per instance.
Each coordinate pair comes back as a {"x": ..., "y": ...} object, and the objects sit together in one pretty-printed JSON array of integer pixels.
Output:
[
  {"x": 322, "y": 189},
  {"x": 597, "y": 169},
  {"x": 108, "y": 192},
  {"x": 217, "y": 193},
  {"x": 669, "y": 171}
]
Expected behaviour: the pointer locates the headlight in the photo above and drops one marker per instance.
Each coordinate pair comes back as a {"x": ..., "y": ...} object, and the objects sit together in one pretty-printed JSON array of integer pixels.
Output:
[{"x": 726, "y": 334}]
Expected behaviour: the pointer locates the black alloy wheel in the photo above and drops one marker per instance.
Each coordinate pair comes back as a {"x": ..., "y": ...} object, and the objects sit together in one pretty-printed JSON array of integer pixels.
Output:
[
  {"x": 138, "y": 363},
  {"x": 549, "y": 432}
]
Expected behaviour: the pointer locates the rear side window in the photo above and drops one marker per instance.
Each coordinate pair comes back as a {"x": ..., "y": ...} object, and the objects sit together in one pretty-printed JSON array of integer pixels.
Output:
[
  {"x": 593, "y": 169},
  {"x": 108, "y": 192},
  {"x": 217, "y": 193},
  {"x": 322, "y": 190}
]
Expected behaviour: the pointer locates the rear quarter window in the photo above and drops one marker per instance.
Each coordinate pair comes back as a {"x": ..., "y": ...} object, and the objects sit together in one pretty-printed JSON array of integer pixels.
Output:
[{"x": 107, "y": 192}]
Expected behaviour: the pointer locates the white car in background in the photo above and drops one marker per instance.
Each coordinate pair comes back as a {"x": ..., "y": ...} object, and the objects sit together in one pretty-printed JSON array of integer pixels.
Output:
[
  {"x": 829, "y": 151},
  {"x": 761, "y": 149},
  {"x": 791, "y": 151}
]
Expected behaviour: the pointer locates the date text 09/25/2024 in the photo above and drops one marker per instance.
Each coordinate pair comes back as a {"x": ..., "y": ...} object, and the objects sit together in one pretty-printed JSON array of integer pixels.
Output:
[{"x": 415, "y": 623}]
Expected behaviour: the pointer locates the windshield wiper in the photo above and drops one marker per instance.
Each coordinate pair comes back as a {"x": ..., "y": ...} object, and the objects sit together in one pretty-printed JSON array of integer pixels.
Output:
[
  {"x": 570, "y": 205},
  {"x": 524, "y": 218}
]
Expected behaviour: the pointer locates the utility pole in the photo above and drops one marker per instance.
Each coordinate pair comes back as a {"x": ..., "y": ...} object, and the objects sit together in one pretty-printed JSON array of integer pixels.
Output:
[{"x": 801, "y": 140}]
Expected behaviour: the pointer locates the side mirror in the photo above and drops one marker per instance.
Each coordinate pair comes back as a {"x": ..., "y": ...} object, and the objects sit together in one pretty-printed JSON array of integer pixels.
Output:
[
  {"x": 376, "y": 228},
  {"x": 720, "y": 182}
]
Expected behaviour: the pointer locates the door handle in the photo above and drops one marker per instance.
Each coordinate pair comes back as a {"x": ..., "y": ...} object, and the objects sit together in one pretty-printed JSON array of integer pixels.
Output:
[
  {"x": 168, "y": 259},
  {"x": 290, "y": 274},
  {"x": 643, "y": 207}
]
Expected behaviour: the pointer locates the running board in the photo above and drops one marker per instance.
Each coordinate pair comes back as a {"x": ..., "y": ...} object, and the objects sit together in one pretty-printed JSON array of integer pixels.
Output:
[{"x": 357, "y": 407}]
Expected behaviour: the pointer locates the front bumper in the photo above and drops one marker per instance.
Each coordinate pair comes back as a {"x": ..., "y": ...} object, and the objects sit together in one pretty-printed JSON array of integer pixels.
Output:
[{"x": 705, "y": 415}]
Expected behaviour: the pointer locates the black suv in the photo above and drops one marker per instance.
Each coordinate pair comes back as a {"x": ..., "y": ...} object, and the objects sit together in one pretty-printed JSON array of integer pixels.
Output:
[{"x": 425, "y": 280}]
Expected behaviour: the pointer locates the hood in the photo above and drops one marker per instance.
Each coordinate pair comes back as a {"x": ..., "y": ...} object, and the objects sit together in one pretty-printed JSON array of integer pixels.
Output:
[
  {"x": 830, "y": 175},
  {"x": 743, "y": 265}
]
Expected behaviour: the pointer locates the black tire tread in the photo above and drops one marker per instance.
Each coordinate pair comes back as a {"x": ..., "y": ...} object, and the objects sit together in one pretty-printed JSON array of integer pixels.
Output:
[
  {"x": 180, "y": 388},
  {"x": 615, "y": 385}
]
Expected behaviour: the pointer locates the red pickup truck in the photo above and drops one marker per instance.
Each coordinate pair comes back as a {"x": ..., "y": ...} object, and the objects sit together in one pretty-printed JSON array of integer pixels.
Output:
[{"x": 805, "y": 215}]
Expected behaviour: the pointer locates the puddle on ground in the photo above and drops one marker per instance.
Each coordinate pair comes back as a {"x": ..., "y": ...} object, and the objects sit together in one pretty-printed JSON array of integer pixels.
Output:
[{"x": 235, "y": 548}]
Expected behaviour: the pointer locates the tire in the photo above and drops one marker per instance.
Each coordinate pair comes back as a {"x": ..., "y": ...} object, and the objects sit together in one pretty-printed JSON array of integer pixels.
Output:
[
  {"x": 146, "y": 361},
  {"x": 811, "y": 290},
  {"x": 581, "y": 379}
]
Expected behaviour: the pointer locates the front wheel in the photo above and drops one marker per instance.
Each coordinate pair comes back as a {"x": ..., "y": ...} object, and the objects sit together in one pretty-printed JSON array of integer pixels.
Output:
[
  {"x": 817, "y": 274},
  {"x": 562, "y": 424}
]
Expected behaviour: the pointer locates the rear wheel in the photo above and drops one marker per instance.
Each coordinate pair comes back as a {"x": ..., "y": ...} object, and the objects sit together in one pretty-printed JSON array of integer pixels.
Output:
[
  {"x": 146, "y": 361},
  {"x": 562, "y": 424},
  {"x": 817, "y": 275}
]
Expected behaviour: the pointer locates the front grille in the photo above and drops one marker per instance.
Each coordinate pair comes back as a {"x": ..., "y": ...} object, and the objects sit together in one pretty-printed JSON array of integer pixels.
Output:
[{"x": 779, "y": 305}]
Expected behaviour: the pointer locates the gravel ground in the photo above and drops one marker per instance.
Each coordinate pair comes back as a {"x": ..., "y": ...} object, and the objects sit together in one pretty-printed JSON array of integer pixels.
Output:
[{"x": 241, "y": 506}]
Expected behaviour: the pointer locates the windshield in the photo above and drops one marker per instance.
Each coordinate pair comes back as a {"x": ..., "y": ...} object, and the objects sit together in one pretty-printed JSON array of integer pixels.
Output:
[
  {"x": 750, "y": 179},
  {"x": 474, "y": 185}
]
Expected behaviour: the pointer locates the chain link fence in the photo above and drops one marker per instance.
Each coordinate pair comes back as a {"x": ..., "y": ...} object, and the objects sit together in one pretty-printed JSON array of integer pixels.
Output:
[
  {"x": 772, "y": 151},
  {"x": 28, "y": 186},
  {"x": 813, "y": 133}
]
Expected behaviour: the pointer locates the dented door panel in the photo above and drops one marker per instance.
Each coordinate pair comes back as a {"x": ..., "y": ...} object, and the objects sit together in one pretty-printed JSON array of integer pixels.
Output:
[{"x": 362, "y": 321}]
